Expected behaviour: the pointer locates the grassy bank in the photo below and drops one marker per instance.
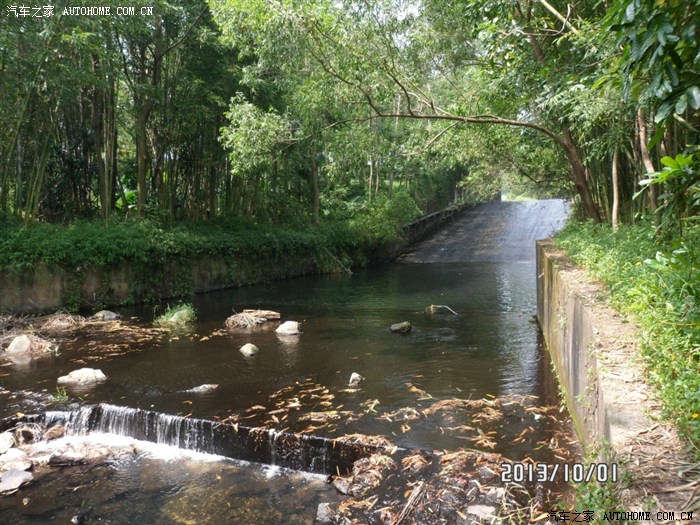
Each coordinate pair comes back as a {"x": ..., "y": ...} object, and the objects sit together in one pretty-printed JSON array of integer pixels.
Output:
[
  {"x": 161, "y": 261},
  {"x": 658, "y": 285}
]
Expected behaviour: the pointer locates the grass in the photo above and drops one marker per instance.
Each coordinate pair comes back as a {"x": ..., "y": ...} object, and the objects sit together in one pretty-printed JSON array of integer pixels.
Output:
[
  {"x": 177, "y": 316},
  {"x": 657, "y": 284}
]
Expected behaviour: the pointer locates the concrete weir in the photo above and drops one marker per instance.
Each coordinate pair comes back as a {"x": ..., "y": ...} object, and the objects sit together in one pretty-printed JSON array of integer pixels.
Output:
[
  {"x": 304, "y": 452},
  {"x": 600, "y": 370}
]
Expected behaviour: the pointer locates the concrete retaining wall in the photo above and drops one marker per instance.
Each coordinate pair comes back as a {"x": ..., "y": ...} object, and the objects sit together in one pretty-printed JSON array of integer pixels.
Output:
[{"x": 564, "y": 316}]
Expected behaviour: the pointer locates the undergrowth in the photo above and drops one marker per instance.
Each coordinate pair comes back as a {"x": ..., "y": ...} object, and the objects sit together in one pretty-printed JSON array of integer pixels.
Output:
[{"x": 657, "y": 283}]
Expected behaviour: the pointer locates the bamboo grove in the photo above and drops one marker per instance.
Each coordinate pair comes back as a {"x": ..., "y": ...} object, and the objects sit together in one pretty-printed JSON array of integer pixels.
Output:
[{"x": 314, "y": 110}]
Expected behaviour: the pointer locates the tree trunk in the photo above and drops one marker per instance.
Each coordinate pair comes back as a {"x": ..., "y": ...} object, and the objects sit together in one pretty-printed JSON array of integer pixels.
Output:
[
  {"x": 646, "y": 159},
  {"x": 314, "y": 185},
  {"x": 616, "y": 190},
  {"x": 579, "y": 176},
  {"x": 141, "y": 164}
]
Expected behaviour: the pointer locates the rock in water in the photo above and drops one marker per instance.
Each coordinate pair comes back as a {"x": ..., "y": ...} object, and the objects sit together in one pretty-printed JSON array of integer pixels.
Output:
[
  {"x": 7, "y": 441},
  {"x": 288, "y": 328},
  {"x": 84, "y": 376},
  {"x": 249, "y": 349},
  {"x": 15, "y": 459},
  {"x": 325, "y": 513},
  {"x": 202, "y": 389},
  {"x": 20, "y": 344},
  {"x": 13, "y": 479},
  {"x": 356, "y": 380},
  {"x": 105, "y": 315},
  {"x": 401, "y": 328}
]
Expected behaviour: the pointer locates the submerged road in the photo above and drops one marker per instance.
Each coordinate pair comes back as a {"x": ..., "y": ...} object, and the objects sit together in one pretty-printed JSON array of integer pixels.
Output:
[{"x": 492, "y": 232}]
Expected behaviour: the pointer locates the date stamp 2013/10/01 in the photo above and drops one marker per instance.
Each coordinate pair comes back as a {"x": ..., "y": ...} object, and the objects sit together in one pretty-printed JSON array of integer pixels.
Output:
[{"x": 542, "y": 472}]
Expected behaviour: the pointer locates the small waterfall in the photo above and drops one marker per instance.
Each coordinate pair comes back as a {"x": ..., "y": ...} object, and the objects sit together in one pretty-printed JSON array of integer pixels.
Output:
[{"x": 262, "y": 445}]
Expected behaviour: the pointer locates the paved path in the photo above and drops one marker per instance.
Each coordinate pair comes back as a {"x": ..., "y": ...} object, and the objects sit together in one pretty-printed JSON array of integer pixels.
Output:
[{"x": 492, "y": 232}]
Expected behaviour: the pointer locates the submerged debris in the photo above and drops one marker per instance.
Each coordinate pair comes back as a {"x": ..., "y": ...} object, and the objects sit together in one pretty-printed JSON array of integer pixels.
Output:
[
  {"x": 268, "y": 315},
  {"x": 243, "y": 321},
  {"x": 30, "y": 346},
  {"x": 429, "y": 488},
  {"x": 60, "y": 322},
  {"x": 250, "y": 319}
]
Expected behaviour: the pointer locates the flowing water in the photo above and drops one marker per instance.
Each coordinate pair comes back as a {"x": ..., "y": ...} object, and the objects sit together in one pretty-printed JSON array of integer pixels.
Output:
[{"x": 482, "y": 266}]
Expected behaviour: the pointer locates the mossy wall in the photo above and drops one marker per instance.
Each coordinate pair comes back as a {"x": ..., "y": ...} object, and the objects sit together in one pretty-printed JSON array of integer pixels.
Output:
[{"x": 565, "y": 319}]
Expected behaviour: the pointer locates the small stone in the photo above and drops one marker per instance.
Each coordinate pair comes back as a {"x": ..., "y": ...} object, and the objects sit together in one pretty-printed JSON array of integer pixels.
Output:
[
  {"x": 401, "y": 328},
  {"x": 202, "y": 389},
  {"x": 20, "y": 345},
  {"x": 12, "y": 480},
  {"x": 483, "y": 512},
  {"x": 288, "y": 328},
  {"x": 342, "y": 485},
  {"x": 248, "y": 349},
  {"x": 486, "y": 474},
  {"x": 355, "y": 380},
  {"x": 84, "y": 376},
  {"x": 7, "y": 441},
  {"x": 325, "y": 513}
]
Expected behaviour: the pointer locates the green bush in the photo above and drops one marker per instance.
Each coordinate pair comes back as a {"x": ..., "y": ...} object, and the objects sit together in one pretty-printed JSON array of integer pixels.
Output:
[{"x": 658, "y": 284}]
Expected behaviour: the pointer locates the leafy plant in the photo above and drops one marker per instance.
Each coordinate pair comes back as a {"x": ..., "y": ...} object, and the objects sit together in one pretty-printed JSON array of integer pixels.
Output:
[
  {"x": 680, "y": 201},
  {"x": 179, "y": 315}
]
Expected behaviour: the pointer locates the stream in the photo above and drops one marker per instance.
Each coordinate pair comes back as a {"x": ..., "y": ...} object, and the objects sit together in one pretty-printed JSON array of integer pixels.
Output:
[{"x": 481, "y": 266}]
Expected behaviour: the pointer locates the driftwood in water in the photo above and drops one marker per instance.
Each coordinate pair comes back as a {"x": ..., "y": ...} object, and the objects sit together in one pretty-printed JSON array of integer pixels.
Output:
[
  {"x": 268, "y": 315},
  {"x": 433, "y": 308},
  {"x": 250, "y": 319}
]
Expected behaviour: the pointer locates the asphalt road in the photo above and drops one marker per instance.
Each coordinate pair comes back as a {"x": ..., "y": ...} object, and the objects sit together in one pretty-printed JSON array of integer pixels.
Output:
[{"x": 492, "y": 232}]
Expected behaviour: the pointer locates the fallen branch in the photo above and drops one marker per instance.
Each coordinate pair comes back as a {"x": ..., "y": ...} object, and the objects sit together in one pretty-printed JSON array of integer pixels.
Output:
[
  {"x": 412, "y": 501},
  {"x": 434, "y": 307}
]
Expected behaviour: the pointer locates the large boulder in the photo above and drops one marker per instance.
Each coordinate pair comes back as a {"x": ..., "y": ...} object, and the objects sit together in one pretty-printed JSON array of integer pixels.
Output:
[
  {"x": 288, "y": 328},
  {"x": 20, "y": 344},
  {"x": 249, "y": 349},
  {"x": 84, "y": 376},
  {"x": 105, "y": 315}
]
